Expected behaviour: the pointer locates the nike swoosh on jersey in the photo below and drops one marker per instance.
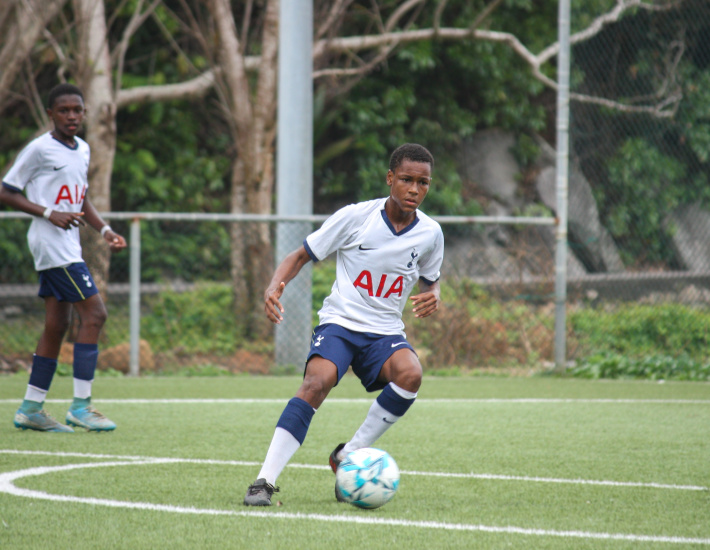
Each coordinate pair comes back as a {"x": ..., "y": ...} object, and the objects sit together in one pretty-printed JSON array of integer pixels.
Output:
[
  {"x": 59, "y": 167},
  {"x": 364, "y": 248},
  {"x": 398, "y": 344}
]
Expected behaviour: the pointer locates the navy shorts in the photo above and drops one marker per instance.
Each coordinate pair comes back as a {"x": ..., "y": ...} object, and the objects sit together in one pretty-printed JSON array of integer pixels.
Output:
[
  {"x": 364, "y": 351},
  {"x": 71, "y": 284}
]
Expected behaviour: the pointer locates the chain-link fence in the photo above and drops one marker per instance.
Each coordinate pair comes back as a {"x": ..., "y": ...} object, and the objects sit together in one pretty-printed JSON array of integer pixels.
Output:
[
  {"x": 189, "y": 318},
  {"x": 638, "y": 269},
  {"x": 639, "y": 199}
]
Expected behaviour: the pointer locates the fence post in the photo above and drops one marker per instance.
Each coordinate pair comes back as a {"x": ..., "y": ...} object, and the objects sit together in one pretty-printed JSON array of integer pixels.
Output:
[
  {"x": 295, "y": 171},
  {"x": 562, "y": 165},
  {"x": 135, "y": 297}
]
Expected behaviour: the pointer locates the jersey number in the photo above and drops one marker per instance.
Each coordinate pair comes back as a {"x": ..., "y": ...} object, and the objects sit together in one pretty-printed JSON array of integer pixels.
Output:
[{"x": 364, "y": 280}]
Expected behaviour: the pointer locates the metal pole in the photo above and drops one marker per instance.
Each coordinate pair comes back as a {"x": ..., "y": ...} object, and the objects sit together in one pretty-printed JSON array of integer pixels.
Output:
[
  {"x": 295, "y": 171},
  {"x": 562, "y": 183},
  {"x": 134, "y": 299}
]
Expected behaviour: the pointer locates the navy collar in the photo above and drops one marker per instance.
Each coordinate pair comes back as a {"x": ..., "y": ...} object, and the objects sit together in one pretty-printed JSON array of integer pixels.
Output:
[
  {"x": 76, "y": 143},
  {"x": 405, "y": 230}
]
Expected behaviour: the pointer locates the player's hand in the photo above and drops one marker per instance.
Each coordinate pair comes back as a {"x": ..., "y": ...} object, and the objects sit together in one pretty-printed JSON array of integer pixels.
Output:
[
  {"x": 115, "y": 241},
  {"x": 272, "y": 304},
  {"x": 67, "y": 220},
  {"x": 425, "y": 304}
]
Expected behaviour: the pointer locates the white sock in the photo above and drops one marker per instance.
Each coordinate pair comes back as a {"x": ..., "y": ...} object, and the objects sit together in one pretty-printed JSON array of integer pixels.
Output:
[
  {"x": 35, "y": 394},
  {"x": 283, "y": 447},
  {"x": 82, "y": 388},
  {"x": 377, "y": 422}
]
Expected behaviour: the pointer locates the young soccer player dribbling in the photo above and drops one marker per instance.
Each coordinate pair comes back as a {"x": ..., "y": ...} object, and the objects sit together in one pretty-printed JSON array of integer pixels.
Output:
[
  {"x": 384, "y": 247},
  {"x": 53, "y": 172}
]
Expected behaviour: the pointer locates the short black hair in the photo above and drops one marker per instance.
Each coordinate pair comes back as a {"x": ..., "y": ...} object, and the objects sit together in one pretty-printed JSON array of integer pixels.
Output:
[
  {"x": 410, "y": 151},
  {"x": 60, "y": 90}
]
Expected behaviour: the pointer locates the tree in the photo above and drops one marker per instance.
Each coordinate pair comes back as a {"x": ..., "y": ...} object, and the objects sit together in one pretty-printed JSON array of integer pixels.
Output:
[{"x": 351, "y": 40}]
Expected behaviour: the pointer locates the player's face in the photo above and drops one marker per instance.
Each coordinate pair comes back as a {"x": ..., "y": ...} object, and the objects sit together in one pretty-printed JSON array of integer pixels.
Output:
[
  {"x": 67, "y": 113},
  {"x": 409, "y": 184}
]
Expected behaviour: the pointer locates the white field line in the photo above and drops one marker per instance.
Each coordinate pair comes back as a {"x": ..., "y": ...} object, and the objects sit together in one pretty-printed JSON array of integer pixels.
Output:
[
  {"x": 7, "y": 486},
  {"x": 422, "y": 400},
  {"x": 454, "y": 475}
]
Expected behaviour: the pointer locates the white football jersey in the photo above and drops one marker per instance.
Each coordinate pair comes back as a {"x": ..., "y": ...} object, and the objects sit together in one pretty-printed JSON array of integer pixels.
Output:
[
  {"x": 56, "y": 176},
  {"x": 376, "y": 268}
]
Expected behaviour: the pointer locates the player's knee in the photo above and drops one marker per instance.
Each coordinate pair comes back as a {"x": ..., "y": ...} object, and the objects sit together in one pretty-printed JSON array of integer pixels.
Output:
[
  {"x": 96, "y": 316},
  {"x": 409, "y": 378},
  {"x": 57, "y": 326},
  {"x": 314, "y": 390}
]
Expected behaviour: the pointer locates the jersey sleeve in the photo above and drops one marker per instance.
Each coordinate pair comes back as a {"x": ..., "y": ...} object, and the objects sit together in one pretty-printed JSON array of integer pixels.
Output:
[
  {"x": 24, "y": 169},
  {"x": 430, "y": 264},
  {"x": 335, "y": 232}
]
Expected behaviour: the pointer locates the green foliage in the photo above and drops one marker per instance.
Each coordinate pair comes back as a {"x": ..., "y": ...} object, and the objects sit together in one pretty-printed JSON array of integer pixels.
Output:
[
  {"x": 434, "y": 93},
  {"x": 638, "y": 330},
  {"x": 693, "y": 121},
  {"x": 201, "y": 321},
  {"x": 16, "y": 265},
  {"x": 167, "y": 160},
  {"x": 322, "y": 283},
  {"x": 654, "y": 367},
  {"x": 644, "y": 187}
]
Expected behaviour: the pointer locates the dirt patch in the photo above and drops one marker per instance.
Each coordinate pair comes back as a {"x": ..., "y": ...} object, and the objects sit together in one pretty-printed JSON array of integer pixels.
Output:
[{"x": 241, "y": 361}]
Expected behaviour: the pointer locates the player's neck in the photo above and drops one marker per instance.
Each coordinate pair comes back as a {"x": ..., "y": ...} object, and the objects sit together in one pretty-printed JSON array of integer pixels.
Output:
[
  {"x": 397, "y": 217},
  {"x": 67, "y": 140}
]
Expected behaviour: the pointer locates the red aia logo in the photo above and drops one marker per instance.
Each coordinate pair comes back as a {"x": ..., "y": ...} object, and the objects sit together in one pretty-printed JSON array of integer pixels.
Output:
[
  {"x": 65, "y": 194},
  {"x": 365, "y": 281}
]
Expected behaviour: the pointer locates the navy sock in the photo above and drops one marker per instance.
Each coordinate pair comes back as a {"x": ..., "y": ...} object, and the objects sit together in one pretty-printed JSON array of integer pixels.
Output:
[
  {"x": 392, "y": 402},
  {"x": 43, "y": 369},
  {"x": 85, "y": 358},
  {"x": 296, "y": 418}
]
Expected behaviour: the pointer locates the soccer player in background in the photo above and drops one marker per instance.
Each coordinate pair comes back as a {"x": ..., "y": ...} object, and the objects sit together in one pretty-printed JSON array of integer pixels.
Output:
[
  {"x": 53, "y": 173},
  {"x": 384, "y": 247}
]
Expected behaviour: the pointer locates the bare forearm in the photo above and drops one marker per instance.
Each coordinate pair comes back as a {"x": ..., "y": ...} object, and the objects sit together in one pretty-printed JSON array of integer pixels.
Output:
[
  {"x": 92, "y": 216},
  {"x": 289, "y": 268},
  {"x": 18, "y": 201}
]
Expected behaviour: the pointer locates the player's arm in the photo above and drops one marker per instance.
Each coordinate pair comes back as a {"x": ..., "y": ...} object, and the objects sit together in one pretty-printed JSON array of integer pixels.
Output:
[
  {"x": 428, "y": 300},
  {"x": 93, "y": 218},
  {"x": 17, "y": 200},
  {"x": 285, "y": 272}
]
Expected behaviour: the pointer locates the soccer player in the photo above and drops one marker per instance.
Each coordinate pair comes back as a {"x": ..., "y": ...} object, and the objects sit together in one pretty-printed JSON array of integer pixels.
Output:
[
  {"x": 384, "y": 247},
  {"x": 53, "y": 173}
]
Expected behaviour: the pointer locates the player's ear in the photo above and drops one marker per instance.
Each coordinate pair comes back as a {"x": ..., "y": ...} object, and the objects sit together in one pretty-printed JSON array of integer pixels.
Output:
[{"x": 390, "y": 177}]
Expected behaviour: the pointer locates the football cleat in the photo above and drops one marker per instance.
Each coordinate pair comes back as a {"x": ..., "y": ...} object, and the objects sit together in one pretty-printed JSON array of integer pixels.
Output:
[
  {"x": 40, "y": 421},
  {"x": 259, "y": 493},
  {"x": 90, "y": 419},
  {"x": 334, "y": 463},
  {"x": 333, "y": 459}
]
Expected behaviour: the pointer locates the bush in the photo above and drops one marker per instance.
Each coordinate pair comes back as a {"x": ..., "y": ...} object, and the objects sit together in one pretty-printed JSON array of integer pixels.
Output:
[
  {"x": 639, "y": 330},
  {"x": 654, "y": 367},
  {"x": 194, "y": 322}
]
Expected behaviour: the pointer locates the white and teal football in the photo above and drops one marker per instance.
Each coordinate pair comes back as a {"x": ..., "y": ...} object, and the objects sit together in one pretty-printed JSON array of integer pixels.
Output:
[{"x": 367, "y": 478}]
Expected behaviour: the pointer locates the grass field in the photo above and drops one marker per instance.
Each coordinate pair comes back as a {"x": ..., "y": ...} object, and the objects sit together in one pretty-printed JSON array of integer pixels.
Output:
[{"x": 486, "y": 463}]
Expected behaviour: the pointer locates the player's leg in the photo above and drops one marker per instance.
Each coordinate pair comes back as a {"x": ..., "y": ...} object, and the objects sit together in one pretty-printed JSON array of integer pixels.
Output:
[
  {"x": 31, "y": 415},
  {"x": 402, "y": 375},
  {"x": 320, "y": 377},
  {"x": 92, "y": 315}
]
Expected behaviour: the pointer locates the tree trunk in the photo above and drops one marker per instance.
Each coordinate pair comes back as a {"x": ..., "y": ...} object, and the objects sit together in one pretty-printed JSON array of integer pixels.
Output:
[
  {"x": 94, "y": 77},
  {"x": 253, "y": 119}
]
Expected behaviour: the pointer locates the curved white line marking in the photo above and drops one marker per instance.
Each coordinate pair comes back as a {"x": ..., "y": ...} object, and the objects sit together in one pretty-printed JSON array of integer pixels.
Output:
[
  {"x": 7, "y": 486},
  {"x": 495, "y": 477}
]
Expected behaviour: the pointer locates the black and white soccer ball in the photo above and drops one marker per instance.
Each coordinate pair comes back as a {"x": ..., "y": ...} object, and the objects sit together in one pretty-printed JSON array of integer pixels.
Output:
[{"x": 367, "y": 478}]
